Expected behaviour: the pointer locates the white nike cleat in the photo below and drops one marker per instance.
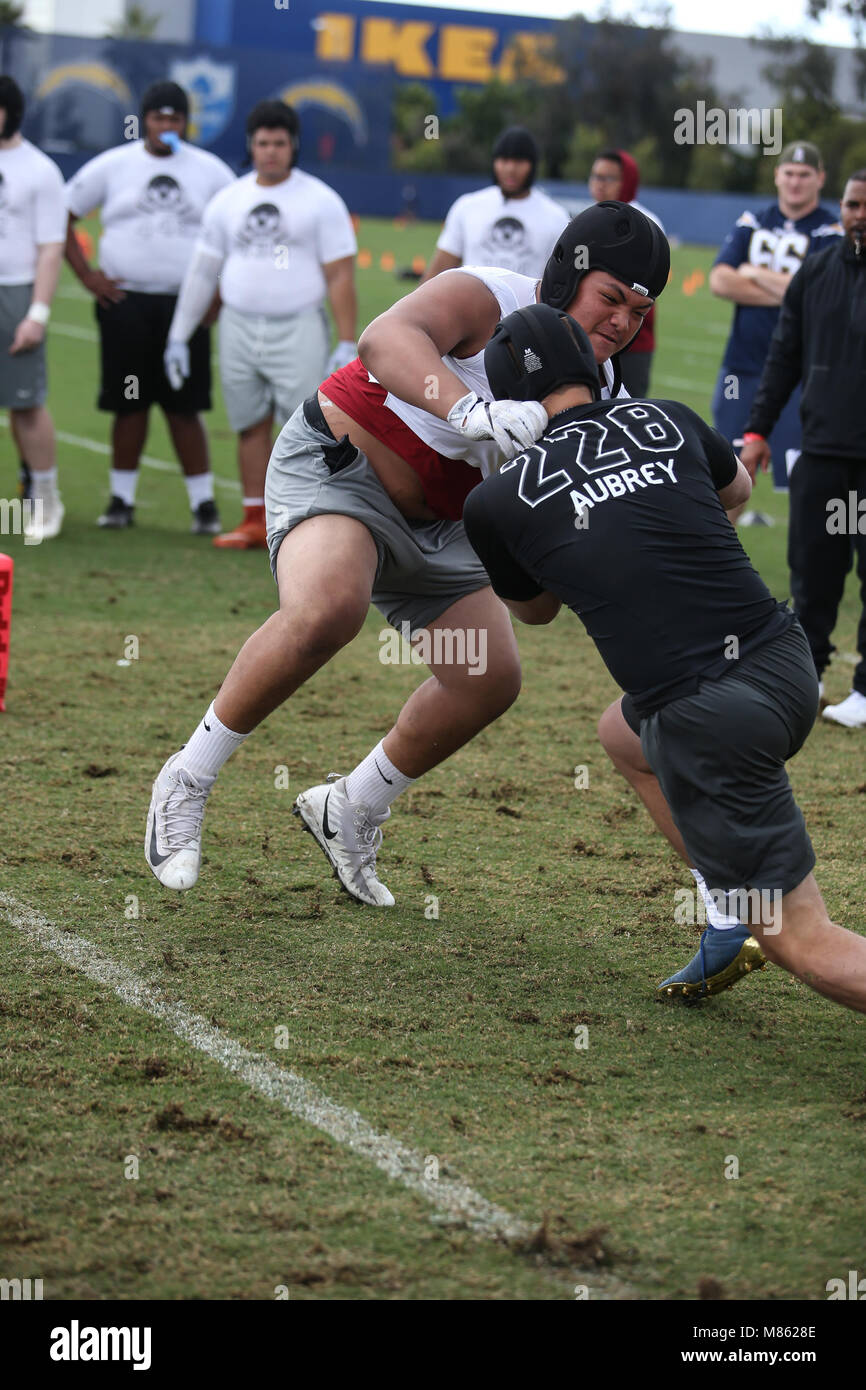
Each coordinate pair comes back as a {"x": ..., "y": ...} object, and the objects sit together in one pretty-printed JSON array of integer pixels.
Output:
[
  {"x": 851, "y": 712},
  {"x": 46, "y": 519},
  {"x": 348, "y": 837},
  {"x": 172, "y": 841}
]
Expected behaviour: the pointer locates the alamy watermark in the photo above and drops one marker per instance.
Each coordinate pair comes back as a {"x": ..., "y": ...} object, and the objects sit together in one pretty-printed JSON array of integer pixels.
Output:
[
  {"x": 846, "y": 517},
  {"x": 19, "y": 517},
  {"x": 737, "y": 126},
  {"x": 758, "y": 906},
  {"x": 444, "y": 646}
]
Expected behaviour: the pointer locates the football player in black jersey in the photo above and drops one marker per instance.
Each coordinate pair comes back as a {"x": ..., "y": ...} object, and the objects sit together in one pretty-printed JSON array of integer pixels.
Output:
[{"x": 618, "y": 511}]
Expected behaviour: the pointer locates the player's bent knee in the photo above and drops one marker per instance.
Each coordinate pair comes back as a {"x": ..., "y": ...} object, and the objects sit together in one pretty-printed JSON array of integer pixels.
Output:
[
  {"x": 496, "y": 689},
  {"x": 327, "y": 627}
]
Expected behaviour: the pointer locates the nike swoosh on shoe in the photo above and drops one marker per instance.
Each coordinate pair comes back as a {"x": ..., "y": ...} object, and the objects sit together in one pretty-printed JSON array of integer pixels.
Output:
[
  {"x": 328, "y": 832},
  {"x": 155, "y": 856}
]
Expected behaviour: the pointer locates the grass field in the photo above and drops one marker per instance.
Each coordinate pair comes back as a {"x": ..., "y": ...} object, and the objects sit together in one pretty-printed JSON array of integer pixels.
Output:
[{"x": 454, "y": 1034}]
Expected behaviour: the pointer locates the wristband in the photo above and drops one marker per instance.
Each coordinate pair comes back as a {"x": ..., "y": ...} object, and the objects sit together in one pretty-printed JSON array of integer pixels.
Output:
[
  {"x": 39, "y": 312},
  {"x": 751, "y": 438}
]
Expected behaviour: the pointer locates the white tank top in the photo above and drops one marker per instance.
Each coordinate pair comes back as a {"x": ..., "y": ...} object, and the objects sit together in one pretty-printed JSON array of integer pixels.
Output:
[{"x": 512, "y": 292}]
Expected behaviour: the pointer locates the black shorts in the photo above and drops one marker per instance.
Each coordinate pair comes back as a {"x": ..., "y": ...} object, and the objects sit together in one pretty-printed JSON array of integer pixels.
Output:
[
  {"x": 132, "y": 336},
  {"x": 719, "y": 756}
]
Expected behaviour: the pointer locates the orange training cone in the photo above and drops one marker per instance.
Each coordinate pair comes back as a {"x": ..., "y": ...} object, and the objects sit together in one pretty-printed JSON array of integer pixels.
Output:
[{"x": 6, "y": 568}]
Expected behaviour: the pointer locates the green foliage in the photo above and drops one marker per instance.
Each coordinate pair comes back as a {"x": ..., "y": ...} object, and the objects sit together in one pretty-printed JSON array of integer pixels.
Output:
[
  {"x": 11, "y": 15},
  {"x": 805, "y": 74},
  {"x": 465, "y": 140},
  {"x": 137, "y": 23}
]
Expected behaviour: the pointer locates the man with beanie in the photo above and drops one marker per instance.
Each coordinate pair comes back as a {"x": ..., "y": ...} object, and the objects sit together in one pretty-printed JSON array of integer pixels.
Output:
[
  {"x": 753, "y": 270},
  {"x": 32, "y": 232},
  {"x": 152, "y": 193},
  {"x": 820, "y": 341},
  {"x": 510, "y": 225},
  {"x": 278, "y": 242},
  {"x": 615, "y": 174}
]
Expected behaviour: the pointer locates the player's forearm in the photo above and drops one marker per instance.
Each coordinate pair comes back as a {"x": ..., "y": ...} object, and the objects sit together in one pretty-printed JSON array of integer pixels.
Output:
[
  {"x": 727, "y": 283},
  {"x": 196, "y": 294},
  {"x": 75, "y": 253},
  {"x": 49, "y": 258},
  {"x": 405, "y": 360},
  {"x": 773, "y": 282},
  {"x": 343, "y": 299}
]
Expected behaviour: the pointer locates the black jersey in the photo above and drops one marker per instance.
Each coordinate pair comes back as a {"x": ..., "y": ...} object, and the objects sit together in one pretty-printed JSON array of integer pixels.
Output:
[{"x": 616, "y": 511}]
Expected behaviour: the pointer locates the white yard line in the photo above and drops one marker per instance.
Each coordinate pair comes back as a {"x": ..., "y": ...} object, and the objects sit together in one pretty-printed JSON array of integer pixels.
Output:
[
  {"x": 455, "y": 1199},
  {"x": 301, "y": 1097},
  {"x": 95, "y": 446}
]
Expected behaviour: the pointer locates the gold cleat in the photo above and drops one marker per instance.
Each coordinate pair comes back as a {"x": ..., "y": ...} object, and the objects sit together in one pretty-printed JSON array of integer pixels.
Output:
[{"x": 748, "y": 958}]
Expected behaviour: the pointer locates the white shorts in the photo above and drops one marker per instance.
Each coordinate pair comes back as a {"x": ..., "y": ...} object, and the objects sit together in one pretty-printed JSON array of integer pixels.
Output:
[{"x": 269, "y": 365}]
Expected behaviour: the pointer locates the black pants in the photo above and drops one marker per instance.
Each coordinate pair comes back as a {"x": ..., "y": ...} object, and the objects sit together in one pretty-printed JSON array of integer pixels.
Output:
[{"x": 820, "y": 555}]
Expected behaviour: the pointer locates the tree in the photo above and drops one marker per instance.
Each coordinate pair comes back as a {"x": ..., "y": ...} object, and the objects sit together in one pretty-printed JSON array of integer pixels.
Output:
[
  {"x": 11, "y": 15},
  {"x": 137, "y": 23},
  {"x": 625, "y": 80},
  {"x": 804, "y": 74}
]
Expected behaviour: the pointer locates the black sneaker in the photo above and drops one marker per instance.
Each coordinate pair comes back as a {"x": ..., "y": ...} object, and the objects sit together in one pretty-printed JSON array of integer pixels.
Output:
[
  {"x": 206, "y": 519},
  {"x": 117, "y": 514}
]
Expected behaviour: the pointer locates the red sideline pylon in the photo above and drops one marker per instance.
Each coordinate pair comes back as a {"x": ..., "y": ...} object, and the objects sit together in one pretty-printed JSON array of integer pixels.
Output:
[{"x": 6, "y": 568}]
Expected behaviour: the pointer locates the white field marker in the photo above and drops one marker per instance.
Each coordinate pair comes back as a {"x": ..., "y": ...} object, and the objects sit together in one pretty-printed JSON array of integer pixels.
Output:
[{"x": 456, "y": 1200}]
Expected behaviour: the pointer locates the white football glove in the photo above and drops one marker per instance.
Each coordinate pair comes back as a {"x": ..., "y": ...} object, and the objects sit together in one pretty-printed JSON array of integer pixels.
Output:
[
  {"x": 344, "y": 353},
  {"x": 514, "y": 425},
  {"x": 176, "y": 362}
]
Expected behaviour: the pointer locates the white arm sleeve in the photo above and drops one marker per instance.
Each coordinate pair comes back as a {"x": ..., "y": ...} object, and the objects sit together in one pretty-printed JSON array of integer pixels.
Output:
[{"x": 196, "y": 292}]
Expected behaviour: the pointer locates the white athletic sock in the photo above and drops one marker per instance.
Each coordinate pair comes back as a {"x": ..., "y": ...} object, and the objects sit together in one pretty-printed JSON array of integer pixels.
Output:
[
  {"x": 211, "y": 745},
  {"x": 376, "y": 782},
  {"x": 200, "y": 489},
  {"x": 123, "y": 482},
  {"x": 715, "y": 918},
  {"x": 44, "y": 484}
]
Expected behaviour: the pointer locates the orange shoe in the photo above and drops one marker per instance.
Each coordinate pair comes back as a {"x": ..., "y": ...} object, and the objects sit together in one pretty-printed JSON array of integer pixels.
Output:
[{"x": 250, "y": 535}]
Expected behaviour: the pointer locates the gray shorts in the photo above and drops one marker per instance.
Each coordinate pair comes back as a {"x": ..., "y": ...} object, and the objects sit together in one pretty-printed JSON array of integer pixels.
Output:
[
  {"x": 22, "y": 377},
  {"x": 269, "y": 365},
  {"x": 424, "y": 567},
  {"x": 719, "y": 756}
]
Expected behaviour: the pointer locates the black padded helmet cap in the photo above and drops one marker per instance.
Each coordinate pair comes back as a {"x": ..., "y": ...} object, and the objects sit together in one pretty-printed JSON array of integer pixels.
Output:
[
  {"x": 165, "y": 95},
  {"x": 609, "y": 236},
  {"x": 518, "y": 143},
  {"x": 12, "y": 101},
  {"x": 536, "y": 350}
]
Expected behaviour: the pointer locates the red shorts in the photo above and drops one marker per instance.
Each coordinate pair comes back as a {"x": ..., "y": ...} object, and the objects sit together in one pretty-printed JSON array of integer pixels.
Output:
[{"x": 446, "y": 482}]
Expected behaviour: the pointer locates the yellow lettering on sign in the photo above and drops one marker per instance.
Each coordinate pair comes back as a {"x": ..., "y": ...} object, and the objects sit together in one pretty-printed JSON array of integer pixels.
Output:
[
  {"x": 335, "y": 37},
  {"x": 530, "y": 55},
  {"x": 401, "y": 45},
  {"x": 464, "y": 53}
]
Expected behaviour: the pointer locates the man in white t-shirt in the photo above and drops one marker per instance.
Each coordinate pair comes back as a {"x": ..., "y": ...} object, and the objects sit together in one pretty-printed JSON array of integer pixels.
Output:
[
  {"x": 32, "y": 232},
  {"x": 153, "y": 193},
  {"x": 510, "y": 225},
  {"x": 278, "y": 242}
]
